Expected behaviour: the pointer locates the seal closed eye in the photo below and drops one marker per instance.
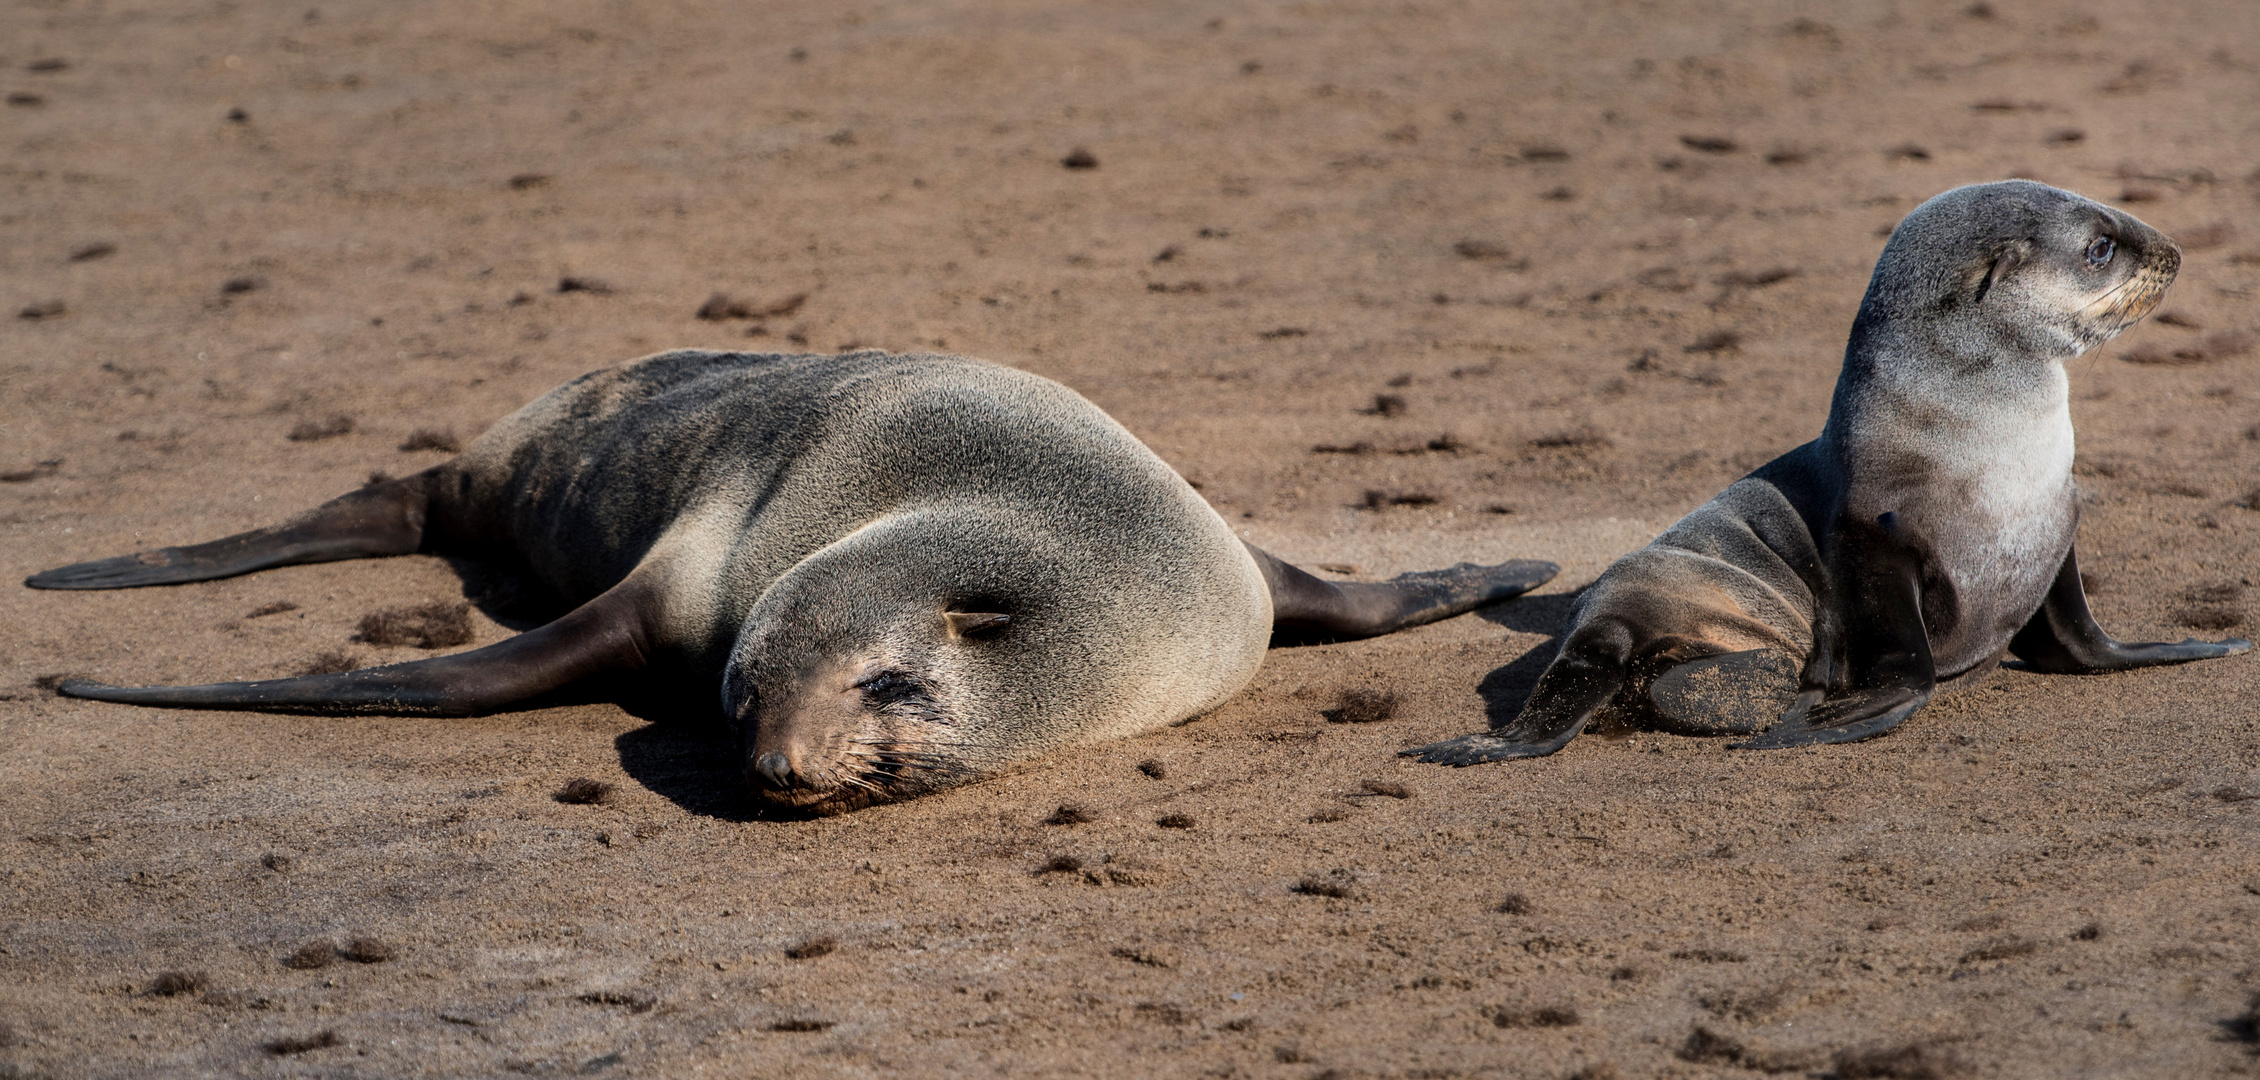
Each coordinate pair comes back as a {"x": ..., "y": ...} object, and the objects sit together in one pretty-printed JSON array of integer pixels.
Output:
[
  {"x": 899, "y": 571},
  {"x": 1927, "y": 531}
]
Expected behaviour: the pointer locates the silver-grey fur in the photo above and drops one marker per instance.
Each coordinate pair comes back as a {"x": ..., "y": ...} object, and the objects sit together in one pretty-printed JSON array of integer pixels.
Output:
[
  {"x": 867, "y": 519},
  {"x": 1945, "y": 461},
  {"x": 900, "y": 571}
]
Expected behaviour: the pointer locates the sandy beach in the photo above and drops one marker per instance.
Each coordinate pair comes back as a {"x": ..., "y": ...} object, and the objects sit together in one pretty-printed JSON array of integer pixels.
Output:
[{"x": 1396, "y": 285}]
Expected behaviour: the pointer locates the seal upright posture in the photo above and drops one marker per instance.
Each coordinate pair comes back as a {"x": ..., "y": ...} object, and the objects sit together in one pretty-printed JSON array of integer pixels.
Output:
[
  {"x": 901, "y": 571},
  {"x": 1928, "y": 529}
]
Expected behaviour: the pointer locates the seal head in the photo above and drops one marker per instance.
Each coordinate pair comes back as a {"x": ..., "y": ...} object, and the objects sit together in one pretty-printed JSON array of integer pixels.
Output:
[
  {"x": 2015, "y": 270},
  {"x": 940, "y": 644}
]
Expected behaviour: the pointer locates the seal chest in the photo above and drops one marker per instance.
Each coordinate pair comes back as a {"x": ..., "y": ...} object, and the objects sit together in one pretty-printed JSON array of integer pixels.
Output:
[{"x": 1986, "y": 476}]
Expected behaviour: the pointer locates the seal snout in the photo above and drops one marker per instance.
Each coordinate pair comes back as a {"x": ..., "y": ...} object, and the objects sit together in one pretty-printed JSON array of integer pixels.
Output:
[
  {"x": 845, "y": 734},
  {"x": 783, "y": 764},
  {"x": 775, "y": 771}
]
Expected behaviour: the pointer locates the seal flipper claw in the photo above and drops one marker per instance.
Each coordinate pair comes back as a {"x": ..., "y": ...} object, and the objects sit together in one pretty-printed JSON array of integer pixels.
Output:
[
  {"x": 384, "y": 519},
  {"x": 2063, "y": 637},
  {"x": 1574, "y": 687},
  {"x": 606, "y": 634}
]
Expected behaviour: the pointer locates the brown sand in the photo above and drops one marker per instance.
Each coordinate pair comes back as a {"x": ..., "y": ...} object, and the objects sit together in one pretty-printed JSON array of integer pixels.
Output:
[{"x": 1562, "y": 275}]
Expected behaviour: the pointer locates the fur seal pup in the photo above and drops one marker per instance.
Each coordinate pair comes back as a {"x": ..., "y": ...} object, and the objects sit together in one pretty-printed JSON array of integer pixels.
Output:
[
  {"x": 1928, "y": 529},
  {"x": 901, "y": 571}
]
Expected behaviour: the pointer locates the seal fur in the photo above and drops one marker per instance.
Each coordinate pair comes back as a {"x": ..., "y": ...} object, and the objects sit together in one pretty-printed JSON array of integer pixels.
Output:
[
  {"x": 899, "y": 571},
  {"x": 1927, "y": 532}
]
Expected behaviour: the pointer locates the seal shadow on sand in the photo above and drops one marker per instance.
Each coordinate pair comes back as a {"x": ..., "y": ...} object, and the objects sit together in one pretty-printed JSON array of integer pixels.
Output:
[
  {"x": 510, "y": 595},
  {"x": 1508, "y": 686},
  {"x": 688, "y": 761},
  {"x": 684, "y": 753}
]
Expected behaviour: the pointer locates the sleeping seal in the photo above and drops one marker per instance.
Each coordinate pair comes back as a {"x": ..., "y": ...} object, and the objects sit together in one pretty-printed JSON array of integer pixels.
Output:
[
  {"x": 900, "y": 571},
  {"x": 1928, "y": 529}
]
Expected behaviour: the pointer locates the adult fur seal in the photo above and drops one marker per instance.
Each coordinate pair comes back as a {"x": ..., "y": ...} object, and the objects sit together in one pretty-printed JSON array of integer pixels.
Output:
[
  {"x": 901, "y": 571},
  {"x": 1926, "y": 531}
]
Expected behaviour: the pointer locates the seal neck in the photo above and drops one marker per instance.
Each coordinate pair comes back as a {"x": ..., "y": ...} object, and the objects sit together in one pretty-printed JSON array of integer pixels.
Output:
[{"x": 1944, "y": 392}]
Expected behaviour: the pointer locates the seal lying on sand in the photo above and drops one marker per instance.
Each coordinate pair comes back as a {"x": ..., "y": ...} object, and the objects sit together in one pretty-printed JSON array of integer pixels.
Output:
[
  {"x": 1928, "y": 530},
  {"x": 901, "y": 571}
]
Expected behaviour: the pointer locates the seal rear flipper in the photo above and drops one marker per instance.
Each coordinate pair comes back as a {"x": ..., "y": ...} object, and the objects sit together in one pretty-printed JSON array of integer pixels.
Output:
[
  {"x": 1849, "y": 718},
  {"x": 606, "y": 634},
  {"x": 1302, "y": 602},
  {"x": 1729, "y": 694},
  {"x": 1876, "y": 638},
  {"x": 1574, "y": 687},
  {"x": 383, "y": 519},
  {"x": 2063, "y": 638}
]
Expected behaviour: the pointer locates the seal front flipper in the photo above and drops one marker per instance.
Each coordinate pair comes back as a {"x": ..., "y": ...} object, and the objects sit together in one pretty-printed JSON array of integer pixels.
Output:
[
  {"x": 609, "y": 633},
  {"x": 1574, "y": 687},
  {"x": 2063, "y": 638},
  {"x": 1304, "y": 603},
  {"x": 383, "y": 519},
  {"x": 1871, "y": 665}
]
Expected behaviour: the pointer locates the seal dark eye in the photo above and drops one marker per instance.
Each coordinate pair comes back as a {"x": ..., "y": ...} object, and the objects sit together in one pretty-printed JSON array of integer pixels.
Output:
[
  {"x": 889, "y": 687},
  {"x": 2100, "y": 250}
]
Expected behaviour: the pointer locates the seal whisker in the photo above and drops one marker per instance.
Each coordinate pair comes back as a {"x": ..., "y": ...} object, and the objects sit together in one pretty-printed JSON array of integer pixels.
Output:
[
  {"x": 934, "y": 763},
  {"x": 920, "y": 761},
  {"x": 896, "y": 751}
]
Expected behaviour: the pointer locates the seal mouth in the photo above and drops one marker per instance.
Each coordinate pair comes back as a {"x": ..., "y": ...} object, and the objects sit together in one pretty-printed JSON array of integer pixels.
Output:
[
  {"x": 2128, "y": 301},
  {"x": 858, "y": 772}
]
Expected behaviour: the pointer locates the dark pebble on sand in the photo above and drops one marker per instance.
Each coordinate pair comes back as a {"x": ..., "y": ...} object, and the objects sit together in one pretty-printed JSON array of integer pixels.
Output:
[
  {"x": 363, "y": 950},
  {"x": 176, "y": 983},
  {"x": 1069, "y": 814},
  {"x": 310, "y": 956},
  {"x": 1360, "y": 705},
  {"x": 436, "y": 625},
  {"x": 289, "y": 1045},
  {"x": 1332, "y": 886},
  {"x": 822, "y": 945},
  {"x": 327, "y": 427},
  {"x": 583, "y": 791},
  {"x": 330, "y": 663}
]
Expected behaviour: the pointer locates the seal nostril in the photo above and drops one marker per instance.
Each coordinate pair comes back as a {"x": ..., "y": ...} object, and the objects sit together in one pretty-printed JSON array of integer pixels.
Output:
[{"x": 775, "y": 769}]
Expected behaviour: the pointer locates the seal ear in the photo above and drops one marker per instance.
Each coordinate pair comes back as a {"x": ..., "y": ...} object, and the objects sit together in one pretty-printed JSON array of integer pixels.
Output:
[
  {"x": 969, "y": 623},
  {"x": 2011, "y": 256}
]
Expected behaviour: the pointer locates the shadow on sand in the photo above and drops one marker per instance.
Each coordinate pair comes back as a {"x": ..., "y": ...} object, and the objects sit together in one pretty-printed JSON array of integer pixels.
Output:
[{"x": 1506, "y": 688}]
